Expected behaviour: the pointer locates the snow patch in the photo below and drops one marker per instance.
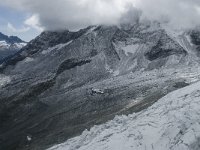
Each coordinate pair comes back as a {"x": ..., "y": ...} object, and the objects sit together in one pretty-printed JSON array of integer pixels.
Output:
[
  {"x": 28, "y": 59},
  {"x": 97, "y": 91},
  {"x": 20, "y": 45},
  {"x": 4, "y": 80},
  {"x": 91, "y": 30},
  {"x": 131, "y": 49},
  {"x": 68, "y": 84},
  {"x": 4, "y": 44},
  {"x": 28, "y": 138},
  {"x": 108, "y": 68},
  {"x": 173, "y": 33},
  {"x": 57, "y": 47},
  {"x": 150, "y": 27},
  {"x": 116, "y": 73}
]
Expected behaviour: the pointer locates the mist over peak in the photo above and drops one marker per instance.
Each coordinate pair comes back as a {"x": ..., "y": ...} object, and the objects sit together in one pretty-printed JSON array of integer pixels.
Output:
[{"x": 76, "y": 14}]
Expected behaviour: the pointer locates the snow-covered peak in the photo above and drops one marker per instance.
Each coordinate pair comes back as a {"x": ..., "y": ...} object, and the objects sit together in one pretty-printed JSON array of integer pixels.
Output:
[
  {"x": 9, "y": 45},
  {"x": 4, "y": 45},
  {"x": 11, "y": 42},
  {"x": 18, "y": 45},
  {"x": 10, "y": 39}
]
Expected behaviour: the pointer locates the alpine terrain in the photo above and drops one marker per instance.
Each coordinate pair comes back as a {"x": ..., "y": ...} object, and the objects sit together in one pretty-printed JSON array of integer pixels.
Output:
[
  {"x": 63, "y": 83},
  {"x": 9, "y": 45}
]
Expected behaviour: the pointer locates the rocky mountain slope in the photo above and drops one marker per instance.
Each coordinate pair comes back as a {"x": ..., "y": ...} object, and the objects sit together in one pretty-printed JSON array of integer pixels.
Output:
[
  {"x": 171, "y": 123},
  {"x": 9, "y": 45},
  {"x": 63, "y": 82}
]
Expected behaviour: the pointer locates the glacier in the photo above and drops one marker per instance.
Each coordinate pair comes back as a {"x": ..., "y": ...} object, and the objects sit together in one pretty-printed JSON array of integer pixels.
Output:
[{"x": 172, "y": 123}]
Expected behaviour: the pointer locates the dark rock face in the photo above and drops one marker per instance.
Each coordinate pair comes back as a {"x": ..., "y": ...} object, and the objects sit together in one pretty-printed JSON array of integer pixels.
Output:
[
  {"x": 65, "y": 82},
  {"x": 71, "y": 63},
  {"x": 195, "y": 36},
  {"x": 195, "y": 39},
  {"x": 163, "y": 50}
]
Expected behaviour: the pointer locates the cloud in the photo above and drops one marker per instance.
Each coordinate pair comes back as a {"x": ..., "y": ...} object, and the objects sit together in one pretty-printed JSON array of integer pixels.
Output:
[
  {"x": 13, "y": 29},
  {"x": 72, "y": 14},
  {"x": 178, "y": 13},
  {"x": 30, "y": 23},
  {"x": 75, "y": 14},
  {"x": 34, "y": 22}
]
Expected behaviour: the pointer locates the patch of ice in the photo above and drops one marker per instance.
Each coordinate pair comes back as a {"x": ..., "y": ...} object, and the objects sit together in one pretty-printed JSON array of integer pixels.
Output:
[{"x": 171, "y": 123}]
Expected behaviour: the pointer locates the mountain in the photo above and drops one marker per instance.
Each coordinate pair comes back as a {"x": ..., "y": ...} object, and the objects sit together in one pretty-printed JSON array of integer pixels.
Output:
[
  {"x": 64, "y": 82},
  {"x": 9, "y": 45}
]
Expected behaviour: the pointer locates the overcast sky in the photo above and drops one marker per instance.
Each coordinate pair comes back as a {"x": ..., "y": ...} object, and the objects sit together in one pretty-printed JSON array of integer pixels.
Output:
[{"x": 27, "y": 18}]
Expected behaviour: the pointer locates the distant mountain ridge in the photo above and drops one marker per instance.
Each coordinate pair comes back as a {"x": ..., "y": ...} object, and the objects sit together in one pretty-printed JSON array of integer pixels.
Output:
[
  {"x": 10, "y": 39},
  {"x": 9, "y": 45}
]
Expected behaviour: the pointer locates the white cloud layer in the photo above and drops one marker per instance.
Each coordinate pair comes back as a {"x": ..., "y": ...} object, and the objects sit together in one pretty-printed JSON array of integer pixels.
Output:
[
  {"x": 34, "y": 22},
  {"x": 13, "y": 29},
  {"x": 30, "y": 23},
  {"x": 75, "y": 14}
]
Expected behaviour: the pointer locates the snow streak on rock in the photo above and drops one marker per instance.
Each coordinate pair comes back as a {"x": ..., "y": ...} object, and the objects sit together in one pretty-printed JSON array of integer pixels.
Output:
[{"x": 4, "y": 80}]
